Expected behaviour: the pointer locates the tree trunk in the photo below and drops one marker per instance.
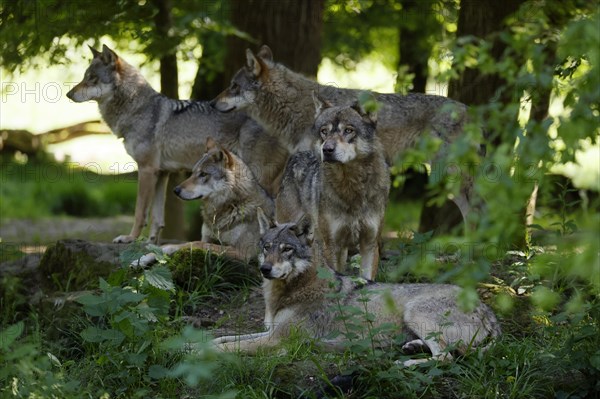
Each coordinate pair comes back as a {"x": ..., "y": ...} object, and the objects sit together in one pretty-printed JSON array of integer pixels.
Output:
[
  {"x": 414, "y": 47},
  {"x": 292, "y": 28},
  {"x": 210, "y": 79},
  {"x": 169, "y": 86},
  {"x": 481, "y": 19}
]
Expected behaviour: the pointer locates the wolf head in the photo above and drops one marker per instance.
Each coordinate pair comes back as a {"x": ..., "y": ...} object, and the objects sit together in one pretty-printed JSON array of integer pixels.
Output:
[
  {"x": 100, "y": 77},
  {"x": 344, "y": 133},
  {"x": 246, "y": 82},
  {"x": 285, "y": 250},
  {"x": 212, "y": 176}
]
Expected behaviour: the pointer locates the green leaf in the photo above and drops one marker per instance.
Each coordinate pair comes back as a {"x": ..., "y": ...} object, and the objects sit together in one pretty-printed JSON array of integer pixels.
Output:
[
  {"x": 92, "y": 334},
  {"x": 10, "y": 335},
  {"x": 90, "y": 299},
  {"x": 595, "y": 360},
  {"x": 160, "y": 277},
  {"x": 156, "y": 371},
  {"x": 130, "y": 296},
  {"x": 324, "y": 273},
  {"x": 104, "y": 286},
  {"x": 545, "y": 298},
  {"x": 95, "y": 335}
]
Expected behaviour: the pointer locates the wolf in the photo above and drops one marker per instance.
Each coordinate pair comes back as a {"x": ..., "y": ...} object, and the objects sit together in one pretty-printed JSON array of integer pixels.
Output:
[
  {"x": 231, "y": 196},
  {"x": 345, "y": 188},
  {"x": 165, "y": 135},
  {"x": 426, "y": 315},
  {"x": 280, "y": 100}
]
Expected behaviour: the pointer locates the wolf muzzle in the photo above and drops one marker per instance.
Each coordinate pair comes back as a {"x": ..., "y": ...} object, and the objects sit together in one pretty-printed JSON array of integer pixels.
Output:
[
  {"x": 265, "y": 269},
  {"x": 328, "y": 150}
]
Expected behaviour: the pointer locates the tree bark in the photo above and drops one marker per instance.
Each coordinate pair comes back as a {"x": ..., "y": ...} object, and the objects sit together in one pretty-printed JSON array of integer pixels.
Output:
[
  {"x": 292, "y": 28},
  {"x": 169, "y": 86},
  {"x": 414, "y": 48},
  {"x": 210, "y": 79},
  {"x": 481, "y": 19}
]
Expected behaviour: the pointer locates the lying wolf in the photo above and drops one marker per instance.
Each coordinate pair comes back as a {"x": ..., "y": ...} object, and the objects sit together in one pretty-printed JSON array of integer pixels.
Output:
[
  {"x": 296, "y": 297},
  {"x": 344, "y": 188},
  {"x": 165, "y": 135},
  {"x": 231, "y": 196}
]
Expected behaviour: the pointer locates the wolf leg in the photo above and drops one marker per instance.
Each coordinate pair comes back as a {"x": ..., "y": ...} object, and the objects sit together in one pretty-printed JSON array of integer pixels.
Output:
[
  {"x": 158, "y": 207},
  {"x": 369, "y": 254},
  {"x": 147, "y": 178},
  {"x": 437, "y": 353},
  {"x": 249, "y": 343},
  {"x": 170, "y": 249}
]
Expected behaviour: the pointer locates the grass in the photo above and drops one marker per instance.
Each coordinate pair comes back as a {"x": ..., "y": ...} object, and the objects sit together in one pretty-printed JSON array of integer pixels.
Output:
[
  {"x": 544, "y": 352},
  {"x": 539, "y": 355},
  {"x": 42, "y": 187}
]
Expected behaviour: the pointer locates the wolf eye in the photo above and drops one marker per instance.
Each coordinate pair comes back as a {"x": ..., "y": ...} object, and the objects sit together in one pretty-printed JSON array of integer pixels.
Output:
[
  {"x": 288, "y": 249},
  {"x": 266, "y": 247},
  {"x": 235, "y": 87},
  {"x": 323, "y": 131},
  {"x": 348, "y": 130},
  {"x": 202, "y": 174}
]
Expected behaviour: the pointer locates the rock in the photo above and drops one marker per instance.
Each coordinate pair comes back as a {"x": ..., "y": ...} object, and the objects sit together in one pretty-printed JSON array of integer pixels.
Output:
[{"x": 76, "y": 265}]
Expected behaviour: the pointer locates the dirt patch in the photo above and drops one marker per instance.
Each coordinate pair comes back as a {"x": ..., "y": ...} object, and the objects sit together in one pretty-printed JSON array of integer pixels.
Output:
[
  {"x": 34, "y": 235},
  {"x": 241, "y": 314}
]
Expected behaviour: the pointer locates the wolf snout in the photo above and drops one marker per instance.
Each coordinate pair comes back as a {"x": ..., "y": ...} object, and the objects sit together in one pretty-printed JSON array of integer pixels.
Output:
[
  {"x": 265, "y": 269},
  {"x": 328, "y": 151},
  {"x": 177, "y": 191},
  {"x": 70, "y": 94}
]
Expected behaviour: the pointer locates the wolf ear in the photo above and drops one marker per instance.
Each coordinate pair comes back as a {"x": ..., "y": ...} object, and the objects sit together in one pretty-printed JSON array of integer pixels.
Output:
[
  {"x": 304, "y": 228},
  {"x": 369, "y": 116},
  {"x": 265, "y": 53},
  {"x": 320, "y": 103},
  {"x": 95, "y": 52},
  {"x": 255, "y": 65},
  {"x": 228, "y": 157},
  {"x": 108, "y": 56},
  {"x": 264, "y": 223}
]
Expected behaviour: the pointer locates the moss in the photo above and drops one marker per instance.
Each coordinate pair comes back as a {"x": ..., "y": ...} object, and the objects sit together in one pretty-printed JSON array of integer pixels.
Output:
[
  {"x": 192, "y": 268},
  {"x": 74, "y": 265}
]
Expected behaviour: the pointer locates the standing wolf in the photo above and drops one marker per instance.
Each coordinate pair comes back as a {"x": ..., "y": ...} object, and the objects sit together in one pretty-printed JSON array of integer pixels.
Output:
[
  {"x": 280, "y": 100},
  {"x": 165, "y": 135},
  {"x": 345, "y": 188},
  {"x": 296, "y": 297}
]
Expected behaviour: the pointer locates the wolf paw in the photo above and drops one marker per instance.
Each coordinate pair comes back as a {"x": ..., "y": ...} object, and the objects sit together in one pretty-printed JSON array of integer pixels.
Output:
[
  {"x": 124, "y": 239},
  {"x": 414, "y": 346},
  {"x": 144, "y": 261},
  {"x": 408, "y": 363}
]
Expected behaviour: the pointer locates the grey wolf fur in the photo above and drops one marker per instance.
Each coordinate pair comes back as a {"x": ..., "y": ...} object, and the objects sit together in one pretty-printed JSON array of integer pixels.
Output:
[
  {"x": 345, "y": 188},
  {"x": 231, "y": 197},
  {"x": 165, "y": 135},
  {"x": 280, "y": 100},
  {"x": 295, "y": 296}
]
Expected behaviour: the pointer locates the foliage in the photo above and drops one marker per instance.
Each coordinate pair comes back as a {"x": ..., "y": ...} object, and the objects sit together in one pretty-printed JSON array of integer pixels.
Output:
[
  {"x": 528, "y": 147},
  {"x": 42, "y": 187},
  {"x": 27, "y": 372},
  {"x": 127, "y": 339},
  {"x": 50, "y": 27}
]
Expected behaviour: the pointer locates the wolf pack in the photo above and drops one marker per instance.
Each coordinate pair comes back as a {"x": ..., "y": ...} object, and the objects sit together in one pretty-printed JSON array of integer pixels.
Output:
[{"x": 295, "y": 174}]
